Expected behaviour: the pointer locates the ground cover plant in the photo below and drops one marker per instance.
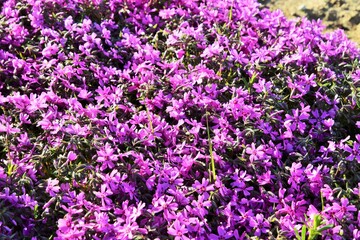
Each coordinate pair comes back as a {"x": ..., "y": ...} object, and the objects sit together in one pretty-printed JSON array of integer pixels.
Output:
[{"x": 134, "y": 119}]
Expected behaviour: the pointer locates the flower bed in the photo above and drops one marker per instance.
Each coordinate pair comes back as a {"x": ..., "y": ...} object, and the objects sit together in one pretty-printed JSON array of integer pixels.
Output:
[{"x": 175, "y": 120}]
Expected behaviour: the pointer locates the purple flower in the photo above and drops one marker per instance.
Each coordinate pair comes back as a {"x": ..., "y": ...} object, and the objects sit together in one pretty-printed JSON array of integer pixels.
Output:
[
  {"x": 326, "y": 150},
  {"x": 213, "y": 50},
  {"x": 167, "y": 13},
  {"x": 264, "y": 178},
  {"x": 107, "y": 109},
  {"x": 103, "y": 195},
  {"x": 71, "y": 156},
  {"x": 204, "y": 187},
  {"x": 64, "y": 224},
  {"x": 126, "y": 231},
  {"x": 312, "y": 212},
  {"x": 259, "y": 224},
  {"x": 239, "y": 57},
  {"x": 107, "y": 157},
  {"x": 76, "y": 129},
  {"x": 52, "y": 187},
  {"x": 328, "y": 123},
  {"x": 178, "y": 230},
  {"x": 327, "y": 192},
  {"x": 256, "y": 153},
  {"x": 200, "y": 206},
  {"x": 7, "y": 127},
  {"x": 356, "y": 233},
  {"x": 296, "y": 121},
  {"x": 261, "y": 55},
  {"x": 341, "y": 210},
  {"x": 356, "y": 191},
  {"x": 354, "y": 151},
  {"x": 102, "y": 222},
  {"x": 296, "y": 176},
  {"x": 49, "y": 50},
  {"x": 315, "y": 176},
  {"x": 222, "y": 234},
  {"x": 165, "y": 204}
]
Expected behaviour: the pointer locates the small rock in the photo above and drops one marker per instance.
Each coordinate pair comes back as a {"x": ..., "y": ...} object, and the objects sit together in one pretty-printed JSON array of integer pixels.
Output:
[
  {"x": 355, "y": 20},
  {"x": 332, "y": 16}
]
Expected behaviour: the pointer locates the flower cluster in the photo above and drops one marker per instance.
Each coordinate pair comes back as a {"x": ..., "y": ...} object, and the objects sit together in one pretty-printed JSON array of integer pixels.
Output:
[{"x": 134, "y": 119}]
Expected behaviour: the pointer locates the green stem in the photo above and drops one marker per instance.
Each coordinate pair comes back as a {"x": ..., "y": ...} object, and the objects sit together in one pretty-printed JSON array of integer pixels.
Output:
[{"x": 212, "y": 163}]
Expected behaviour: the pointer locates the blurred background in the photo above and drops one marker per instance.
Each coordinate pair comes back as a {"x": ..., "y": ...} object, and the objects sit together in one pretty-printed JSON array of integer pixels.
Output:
[{"x": 344, "y": 14}]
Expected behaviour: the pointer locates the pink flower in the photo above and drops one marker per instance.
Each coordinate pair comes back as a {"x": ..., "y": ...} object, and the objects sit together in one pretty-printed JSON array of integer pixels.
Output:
[
  {"x": 222, "y": 234},
  {"x": 49, "y": 50},
  {"x": 296, "y": 120},
  {"x": 52, "y": 187},
  {"x": 68, "y": 23},
  {"x": 328, "y": 123},
  {"x": 166, "y": 204},
  {"x": 178, "y": 230},
  {"x": 71, "y": 156},
  {"x": 65, "y": 223},
  {"x": 167, "y": 13},
  {"x": 204, "y": 187},
  {"x": 265, "y": 178},
  {"x": 107, "y": 157},
  {"x": 103, "y": 195},
  {"x": 260, "y": 224},
  {"x": 256, "y": 153},
  {"x": 212, "y": 50}
]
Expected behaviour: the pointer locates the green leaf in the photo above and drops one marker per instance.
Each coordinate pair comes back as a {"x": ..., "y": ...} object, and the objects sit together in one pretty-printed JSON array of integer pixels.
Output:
[
  {"x": 251, "y": 81},
  {"x": 36, "y": 211},
  {"x": 303, "y": 233},
  {"x": 230, "y": 13},
  {"x": 297, "y": 234},
  {"x": 325, "y": 228},
  {"x": 317, "y": 221},
  {"x": 212, "y": 166}
]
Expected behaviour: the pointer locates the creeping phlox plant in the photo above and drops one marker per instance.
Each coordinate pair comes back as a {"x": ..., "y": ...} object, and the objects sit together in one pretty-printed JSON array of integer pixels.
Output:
[{"x": 153, "y": 119}]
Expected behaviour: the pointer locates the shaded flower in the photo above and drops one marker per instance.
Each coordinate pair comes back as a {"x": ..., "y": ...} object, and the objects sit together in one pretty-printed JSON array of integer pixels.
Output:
[{"x": 260, "y": 224}]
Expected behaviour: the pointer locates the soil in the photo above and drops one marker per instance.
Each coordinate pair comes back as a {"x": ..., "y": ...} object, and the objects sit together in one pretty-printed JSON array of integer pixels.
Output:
[{"x": 344, "y": 14}]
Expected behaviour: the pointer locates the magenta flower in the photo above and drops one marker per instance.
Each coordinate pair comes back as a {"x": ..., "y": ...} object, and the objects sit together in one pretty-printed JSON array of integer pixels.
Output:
[
  {"x": 65, "y": 224},
  {"x": 107, "y": 112},
  {"x": 200, "y": 207},
  {"x": 166, "y": 205},
  {"x": 127, "y": 231},
  {"x": 49, "y": 50},
  {"x": 8, "y": 128},
  {"x": 296, "y": 176},
  {"x": 296, "y": 121},
  {"x": 213, "y": 50},
  {"x": 71, "y": 156},
  {"x": 265, "y": 178},
  {"x": 178, "y": 230},
  {"x": 107, "y": 157},
  {"x": 103, "y": 195},
  {"x": 102, "y": 222},
  {"x": 354, "y": 151},
  {"x": 222, "y": 234},
  {"x": 327, "y": 192},
  {"x": 204, "y": 187},
  {"x": 76, "y": 129},
  {"x": 256, "y": 153},
  {"x": 356, "y": 191},
  {"x": 52, "y": 187},
  {"x": 259, "y": 224},
  {"x": 328, "y": 123},
  {"x": 342, "y": 210}
]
